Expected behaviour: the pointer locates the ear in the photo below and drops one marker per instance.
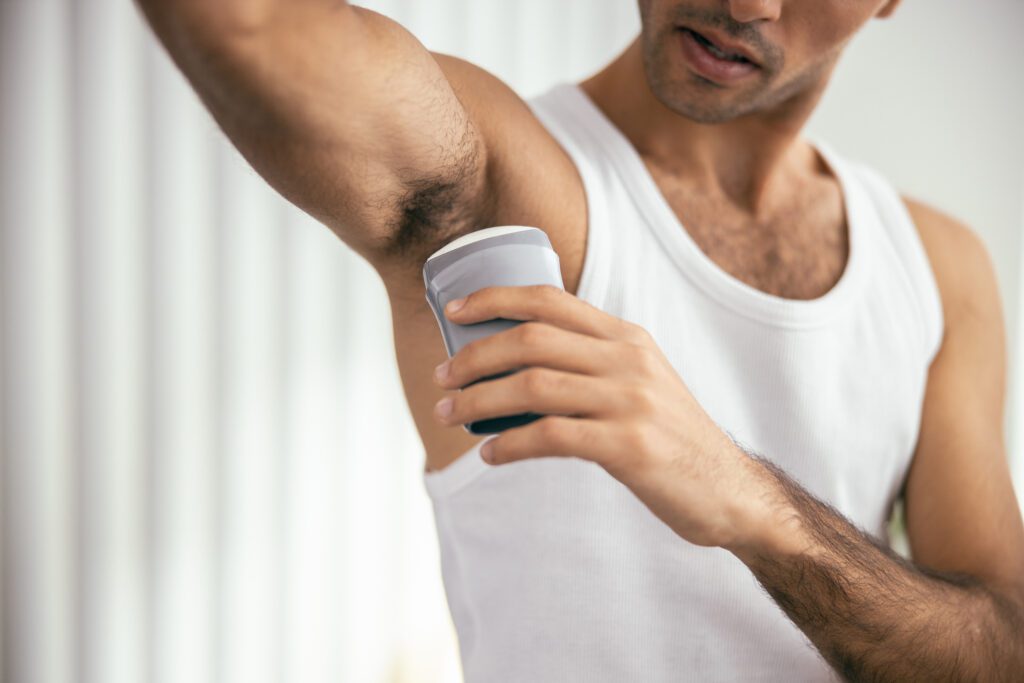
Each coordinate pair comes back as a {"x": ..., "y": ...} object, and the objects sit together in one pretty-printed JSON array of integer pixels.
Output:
[{"x": 887, "y": 9}]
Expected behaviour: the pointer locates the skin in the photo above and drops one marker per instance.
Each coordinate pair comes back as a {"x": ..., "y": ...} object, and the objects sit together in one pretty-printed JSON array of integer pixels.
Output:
[{"x": 446, "y": 148}]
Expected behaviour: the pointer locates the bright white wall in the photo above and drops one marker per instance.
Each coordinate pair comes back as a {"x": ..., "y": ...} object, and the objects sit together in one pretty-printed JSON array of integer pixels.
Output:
[{"x": 207, "y": 471}]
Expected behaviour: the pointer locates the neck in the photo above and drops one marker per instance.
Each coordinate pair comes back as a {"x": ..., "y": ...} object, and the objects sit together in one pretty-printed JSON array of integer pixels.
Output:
[{"x": 743, "y": 160}]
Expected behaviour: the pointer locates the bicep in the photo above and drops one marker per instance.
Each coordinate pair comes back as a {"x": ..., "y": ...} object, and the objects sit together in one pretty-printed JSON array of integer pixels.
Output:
[
  {"x": 962, "y": 514},
  {"x": 346, "y": 114}
]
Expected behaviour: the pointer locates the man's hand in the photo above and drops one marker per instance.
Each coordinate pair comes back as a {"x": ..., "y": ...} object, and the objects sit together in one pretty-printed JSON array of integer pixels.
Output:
[{"x": 609, "y": 396}]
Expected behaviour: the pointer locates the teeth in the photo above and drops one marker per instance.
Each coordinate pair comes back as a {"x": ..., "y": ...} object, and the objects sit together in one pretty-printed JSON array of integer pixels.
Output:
[
  {"x": 724, "y": 55},
  {"x": 713, "y": 49},
  {"x": 716, "y": 52}
]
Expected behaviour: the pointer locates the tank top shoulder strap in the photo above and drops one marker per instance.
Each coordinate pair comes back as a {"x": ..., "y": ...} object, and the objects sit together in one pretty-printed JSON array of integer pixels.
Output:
[
  {"x": 898, "y": 228},
  {"x": 560, "y": 112}
]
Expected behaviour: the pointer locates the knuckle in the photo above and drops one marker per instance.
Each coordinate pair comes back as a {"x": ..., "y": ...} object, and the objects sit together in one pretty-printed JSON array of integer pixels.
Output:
[
  {"x": 553, "y": 430},
  {"x": 631, "y": 332},
  {"x": 536, "y": 380},
  {"x": 641, "y": 359},
  {"x": 639, "y": 334},
  {"x": 642, "y": 398},
  {"x": 531, "y": 333},
  {"x": 637, "y": 439},
  {"x": 646, "y": 359}
]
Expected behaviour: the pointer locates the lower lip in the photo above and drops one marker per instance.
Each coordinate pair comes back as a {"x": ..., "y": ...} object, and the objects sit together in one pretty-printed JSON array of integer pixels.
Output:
[{"x": 711, "y": 67}]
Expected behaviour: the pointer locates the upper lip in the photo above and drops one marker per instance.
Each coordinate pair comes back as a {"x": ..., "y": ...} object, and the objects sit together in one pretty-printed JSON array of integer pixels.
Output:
[{"x": 724, "y": 44}]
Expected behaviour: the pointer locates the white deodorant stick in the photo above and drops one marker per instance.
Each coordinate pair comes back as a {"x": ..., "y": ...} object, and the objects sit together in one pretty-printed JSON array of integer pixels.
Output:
[{"x": 502, "y": 256}]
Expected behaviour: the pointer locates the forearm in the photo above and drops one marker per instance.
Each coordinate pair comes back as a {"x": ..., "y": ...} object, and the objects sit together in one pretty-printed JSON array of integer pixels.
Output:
[{"x": 875, "y": 616}]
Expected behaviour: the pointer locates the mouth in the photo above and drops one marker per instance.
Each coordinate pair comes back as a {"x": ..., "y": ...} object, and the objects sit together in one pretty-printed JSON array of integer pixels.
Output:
[
  {"x": 721, "y": 48},
  {"x": 715, "y": 58}
]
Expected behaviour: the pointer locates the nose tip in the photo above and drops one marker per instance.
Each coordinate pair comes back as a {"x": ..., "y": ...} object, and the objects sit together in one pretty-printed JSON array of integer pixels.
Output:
[{"x": 755, "y": 10}]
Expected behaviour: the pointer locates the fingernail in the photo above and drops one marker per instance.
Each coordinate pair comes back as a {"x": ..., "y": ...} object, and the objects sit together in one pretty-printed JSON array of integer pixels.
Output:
[
  {"x": 455, "y": 304},
  {"x": 444, "y": 407},
  {"x": 486, "y": 452},
  {"x": 442, "y": 371}
]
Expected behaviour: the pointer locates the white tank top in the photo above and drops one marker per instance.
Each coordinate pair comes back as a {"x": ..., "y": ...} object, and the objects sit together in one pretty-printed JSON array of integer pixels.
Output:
[{"x": 555, "y": 572}]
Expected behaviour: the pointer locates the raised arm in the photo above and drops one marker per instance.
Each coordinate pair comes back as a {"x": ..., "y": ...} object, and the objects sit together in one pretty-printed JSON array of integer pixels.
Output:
[{"x": 342, "y": 111}]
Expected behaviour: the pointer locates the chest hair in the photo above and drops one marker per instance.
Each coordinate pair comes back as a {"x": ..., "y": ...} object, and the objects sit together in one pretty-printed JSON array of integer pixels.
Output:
[{"x": 798, "y": 251}]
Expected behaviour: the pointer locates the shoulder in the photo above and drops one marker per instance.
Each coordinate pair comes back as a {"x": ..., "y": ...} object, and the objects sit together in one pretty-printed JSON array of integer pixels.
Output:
[
  {"x": 530, "y": 179},
  {"x": 526, "y": 164},
  {"x": 960, "y": 262}
]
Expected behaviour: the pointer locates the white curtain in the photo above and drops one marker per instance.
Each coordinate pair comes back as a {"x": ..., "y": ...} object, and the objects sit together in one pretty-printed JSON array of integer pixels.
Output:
[{"x": 208, "y": 472}]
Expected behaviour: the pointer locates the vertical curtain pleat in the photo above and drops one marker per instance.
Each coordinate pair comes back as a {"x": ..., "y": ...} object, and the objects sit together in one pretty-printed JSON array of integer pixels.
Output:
[
  {"x": 38, "y": 380},
  {"x": 252, "y": 321},
  {"x": 108, "y": 298},
  {"x": 313, "y": 394},
  {"x": 181, "y": 339}
]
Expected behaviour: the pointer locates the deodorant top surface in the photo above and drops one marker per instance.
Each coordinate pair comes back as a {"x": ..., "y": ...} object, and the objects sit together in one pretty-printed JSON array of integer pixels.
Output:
[
  {"x": 479, "y": 240},
  {"x": 477, "y": 235}
]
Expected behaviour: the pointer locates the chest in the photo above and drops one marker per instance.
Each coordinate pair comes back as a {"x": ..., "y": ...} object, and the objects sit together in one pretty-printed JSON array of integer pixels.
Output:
[
  {"x": 797, "y": 250},
  {"x": 836, "y": 406}
]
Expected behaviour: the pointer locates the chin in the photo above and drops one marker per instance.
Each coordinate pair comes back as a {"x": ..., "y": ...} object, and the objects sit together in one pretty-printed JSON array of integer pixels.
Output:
[
  {"x": 707, "y": 114},
  {"x": 700, "y": 101}
]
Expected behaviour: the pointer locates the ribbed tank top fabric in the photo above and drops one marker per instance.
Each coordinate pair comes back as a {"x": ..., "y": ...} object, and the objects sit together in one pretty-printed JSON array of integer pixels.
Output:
[{"x": 554, "y": 571}]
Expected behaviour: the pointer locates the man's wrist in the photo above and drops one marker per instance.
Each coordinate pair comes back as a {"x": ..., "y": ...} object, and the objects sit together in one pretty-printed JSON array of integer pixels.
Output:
[{"x": 767, "y": 522}]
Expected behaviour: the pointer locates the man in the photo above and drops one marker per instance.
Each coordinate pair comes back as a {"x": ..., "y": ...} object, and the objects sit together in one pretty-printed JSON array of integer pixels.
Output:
[{"x": 760, "y": 348}]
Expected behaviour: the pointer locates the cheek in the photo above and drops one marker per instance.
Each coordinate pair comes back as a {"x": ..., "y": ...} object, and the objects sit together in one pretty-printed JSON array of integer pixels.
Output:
[{"x": 815, "y": 32}]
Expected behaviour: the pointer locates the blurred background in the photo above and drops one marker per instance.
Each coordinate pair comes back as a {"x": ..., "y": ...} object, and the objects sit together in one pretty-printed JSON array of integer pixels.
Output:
[{"x": 208, "y": 470}]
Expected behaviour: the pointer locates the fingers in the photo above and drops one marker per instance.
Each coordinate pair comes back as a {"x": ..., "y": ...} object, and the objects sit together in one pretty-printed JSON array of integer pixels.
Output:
[
  {"x": 553, "y": 435},
  {"x": 536, "y": 390},
  {"x": 529, "y": 344},
  {"x": 544, "y": 303}
]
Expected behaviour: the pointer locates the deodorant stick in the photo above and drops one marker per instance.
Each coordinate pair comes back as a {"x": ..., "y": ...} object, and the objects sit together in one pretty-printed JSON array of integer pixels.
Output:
[{"x": 503, "y": 256}]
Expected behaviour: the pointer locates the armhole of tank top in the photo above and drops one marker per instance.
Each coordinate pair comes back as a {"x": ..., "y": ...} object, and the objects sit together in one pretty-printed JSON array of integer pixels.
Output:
[
  {"x": 553, "y": 110},
  {"x": 456, "y": 474},
  {"x": 550, "y": 111},
  {"x": 901, "y": 230}
]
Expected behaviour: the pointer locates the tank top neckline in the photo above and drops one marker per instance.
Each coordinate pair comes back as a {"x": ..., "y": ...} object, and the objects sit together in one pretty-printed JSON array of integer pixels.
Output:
[{"x": 697, "y": 266}]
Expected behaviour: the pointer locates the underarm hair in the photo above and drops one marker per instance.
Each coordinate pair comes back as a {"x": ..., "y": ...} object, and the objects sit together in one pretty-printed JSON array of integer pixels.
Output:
[
  {"x": 876, "y": 616},
  {"x": 437, "y": 208}
]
